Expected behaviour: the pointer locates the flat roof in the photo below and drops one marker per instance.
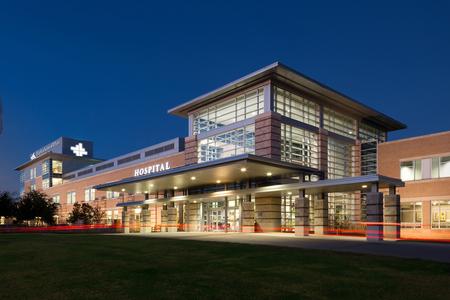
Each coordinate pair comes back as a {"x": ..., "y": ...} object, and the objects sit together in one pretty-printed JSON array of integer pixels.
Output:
[
  {"x": 282, "y": 72},
  {"x": 58, "y": 156},
  {"x": 227, "y": 170}
]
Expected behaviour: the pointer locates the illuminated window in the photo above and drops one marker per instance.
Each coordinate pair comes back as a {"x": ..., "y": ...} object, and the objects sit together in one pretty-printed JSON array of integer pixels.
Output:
[
  {"x": 89, "y": 194},
  {"x": 32, "y": 173},
  {"x": 299, "y": 146},
  {"x": 45, "y": 167},
  {"x": 71, "y": 197},
  {"x": 411, "y": 170},
  {"x": 440, "y": 167},
  {"x": 440, "y": 214},
  {"x": 227, "y": 144},
  {"x": 411, "y": 215},
  {"x": 32, "y": 187},
  {"x": 112, "y": 195},
  {"x": 230, "y": 111},
  {"x": 57, "y": 167},
  {"x": 296, "y": 107},
  {"x": 45, "y": 183},
  {"x": 56, "y": 181},
  {"x": 56, "y": 199},
  {"x": 369, "y": 133},
  {"x": 339, "y": 123}
]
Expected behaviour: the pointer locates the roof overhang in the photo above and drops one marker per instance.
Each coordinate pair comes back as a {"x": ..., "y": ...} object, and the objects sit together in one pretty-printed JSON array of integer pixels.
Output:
[
  {"x": 348, "y": 184},
  {"x": 227, "y": 170},
  {"x": 57, "y": 156},
  {"x": 285, "y": 74}
]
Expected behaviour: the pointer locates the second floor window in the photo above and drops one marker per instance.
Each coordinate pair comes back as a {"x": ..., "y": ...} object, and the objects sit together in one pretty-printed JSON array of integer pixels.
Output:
[
  {"x": 71, "y": 197},
  {"x": 89, "y": 195}
]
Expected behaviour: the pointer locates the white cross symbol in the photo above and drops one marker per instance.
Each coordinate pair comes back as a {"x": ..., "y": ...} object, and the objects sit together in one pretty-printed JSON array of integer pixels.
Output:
[{"x": 78, "y": 150}]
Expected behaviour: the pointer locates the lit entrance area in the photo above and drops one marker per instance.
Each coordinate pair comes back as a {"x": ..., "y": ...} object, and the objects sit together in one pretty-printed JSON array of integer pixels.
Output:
[{"x": 221, "y": 214}]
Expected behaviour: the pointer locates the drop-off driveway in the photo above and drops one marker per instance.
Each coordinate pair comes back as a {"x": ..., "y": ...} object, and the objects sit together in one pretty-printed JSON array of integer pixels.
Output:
[{"x": 406, "y": 249}]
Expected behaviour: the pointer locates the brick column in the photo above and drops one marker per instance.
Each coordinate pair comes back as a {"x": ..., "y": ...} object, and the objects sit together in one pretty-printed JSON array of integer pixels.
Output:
[
  {"x": 426, "y": 214},
  {"x": 191, "y": 150},
  {"x": 248, "y": 217},
  {"x": 321, "y": 215},
  {"x": 125, "y": 220},
  {"x": 268, "y": 214},
  {"x": 374, "y": 210},
  {"x": 302, "y": 216},
  {"x": 268, "y": 135},
  {"x": 194, "y": 217},
  {"x": 146, "y": 219},
  {"x": 392, "y": 217},
  {"x": 164, "y": 215},
  {"x": 323, "y": 152}
]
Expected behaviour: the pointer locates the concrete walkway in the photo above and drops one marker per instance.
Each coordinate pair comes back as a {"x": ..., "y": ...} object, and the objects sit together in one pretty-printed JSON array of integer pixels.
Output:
[{"x": 406, "y": 249}]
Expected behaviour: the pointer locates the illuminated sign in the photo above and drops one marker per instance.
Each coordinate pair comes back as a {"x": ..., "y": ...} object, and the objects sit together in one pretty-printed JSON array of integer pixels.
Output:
[
  {"x": 152, "y": 169},
  {"x": 45, "y": 149},
  {"x": 78, "y": 150}
]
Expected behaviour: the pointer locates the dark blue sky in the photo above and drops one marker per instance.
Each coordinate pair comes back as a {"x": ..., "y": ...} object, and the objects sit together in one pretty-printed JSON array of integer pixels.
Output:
[{"x": 108, "y": 71}]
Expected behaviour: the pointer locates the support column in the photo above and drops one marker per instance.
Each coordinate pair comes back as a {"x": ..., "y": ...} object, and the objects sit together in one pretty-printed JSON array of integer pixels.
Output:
[
  {"x": 248, "y": 217},
  {"x": 268, "y": 214},
  {"x": 268, "y": 135},
  {"x": 125, "y": 220},
  {"x": 392, "y": 217},
  {"x": 164, "y": 215},
  {"x": 146, "y": 219},
  {"x": 374, "y": 210},
  {"x": 321, "y": 215},
  {"x": 302, "y": 215},
  {"x": 194, "y": 217},
  {"x": 172, "y": 218}
]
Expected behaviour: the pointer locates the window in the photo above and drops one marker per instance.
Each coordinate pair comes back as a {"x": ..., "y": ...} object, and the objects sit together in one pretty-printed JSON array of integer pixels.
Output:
[
  {"x": 440, "y": 167},
  {"x": 343, "y": 209},
  {"x": 230, "y": 111},
  {"x": 340, "y": 159},
  {"x": 368, "y": 133},
  {"x": 56, "y": 167},
  {"x": 411, "y": 215},
  {"x": 33, "y": 173},
  {"x": 440, "y": 214},
  {"x": 227, "y": 144},
  {"x": 89, "y": 194},
  {"x": 45, "y": 167},
  {"x": 71, "y": 197},
  {"x": 56, "y": 199},
  {"x": 299, "y": 146},
  {"x": 296, "y": 107},
  {"x": 32, "y": 187},
  {"x": 339, "y": 123},
  {"x": 45, "y": 183},
  {"x": 411, "y": 170},
  {"x": 112, "y": 195},
  {"x": 56, "y": 181}
]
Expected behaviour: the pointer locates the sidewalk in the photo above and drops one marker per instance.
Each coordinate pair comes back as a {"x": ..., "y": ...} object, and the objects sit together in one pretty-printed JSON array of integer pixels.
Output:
[{"x": 406, "y": 249}]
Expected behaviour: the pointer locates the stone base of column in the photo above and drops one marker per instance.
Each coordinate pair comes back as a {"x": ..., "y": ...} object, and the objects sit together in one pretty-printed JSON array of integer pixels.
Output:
[
  {"x": 248, "y": 217},
  {"x": 321, "y": 216},
  {"x": 172, "y": 219},
  {"x": 374, "y": 209},
  {"x": 125, "y": 221},
  {"x": 392, "y": 217},
  {"x": 164, "y": 220},
  {"x": 302, "y": 216},
  {"x": 145, "y": 224},
  {"x": 268, "y": 214}
]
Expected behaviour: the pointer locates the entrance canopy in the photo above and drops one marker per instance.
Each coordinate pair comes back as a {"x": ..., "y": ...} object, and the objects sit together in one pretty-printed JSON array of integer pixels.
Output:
[{"x": 222, "y": 171}]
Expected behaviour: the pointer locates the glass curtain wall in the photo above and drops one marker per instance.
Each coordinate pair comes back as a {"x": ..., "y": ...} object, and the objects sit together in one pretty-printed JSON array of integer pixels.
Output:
[
  {"x": 340, "y": 160},
  {"x": 370, "y": 137},
  {"x": 344, "y": 210},
  {"x": 339, "y": 123},
  {"x": 440, "y": 212},
  {"x": 296, "y": 107},
  {"x": 299, "y": 146},
  {"x": 230, "y": 111},
  {"x": 227, "y": 144},
  {"x": 411, "y": 215}
]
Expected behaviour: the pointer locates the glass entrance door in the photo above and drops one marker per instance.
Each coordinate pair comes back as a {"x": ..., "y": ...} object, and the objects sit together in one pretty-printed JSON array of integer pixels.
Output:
[{"x": 213, "y": 216}]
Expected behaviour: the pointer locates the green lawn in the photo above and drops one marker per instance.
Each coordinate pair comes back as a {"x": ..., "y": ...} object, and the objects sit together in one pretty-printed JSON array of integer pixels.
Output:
[{"x": 63, "y": 266}]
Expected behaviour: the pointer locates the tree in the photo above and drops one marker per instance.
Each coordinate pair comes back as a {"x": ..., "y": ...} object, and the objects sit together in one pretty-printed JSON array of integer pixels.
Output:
[
  {"x": 36, "y": 206},
  {"x": 6, "y": 204},
  {"x": 86, "y": 214}
]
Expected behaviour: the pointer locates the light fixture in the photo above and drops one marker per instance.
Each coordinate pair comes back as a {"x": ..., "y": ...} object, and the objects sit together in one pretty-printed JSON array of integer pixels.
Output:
[
  {"x": 218, "y": 181},
  {"x": 195, "y": 201},
  {"x": 364, "y": 186},
  {"x": 289, "y": 193},
  {"x": 145, "y": 192},
  {"x": 123, "y": 190},
  {"x": 175, "y": 188},
  {"x": 193, "y": 178},
  {"x": 151, "y": 184},
  {"x": 269, "y": 174},
  {"x": 243, "y": 169}
]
